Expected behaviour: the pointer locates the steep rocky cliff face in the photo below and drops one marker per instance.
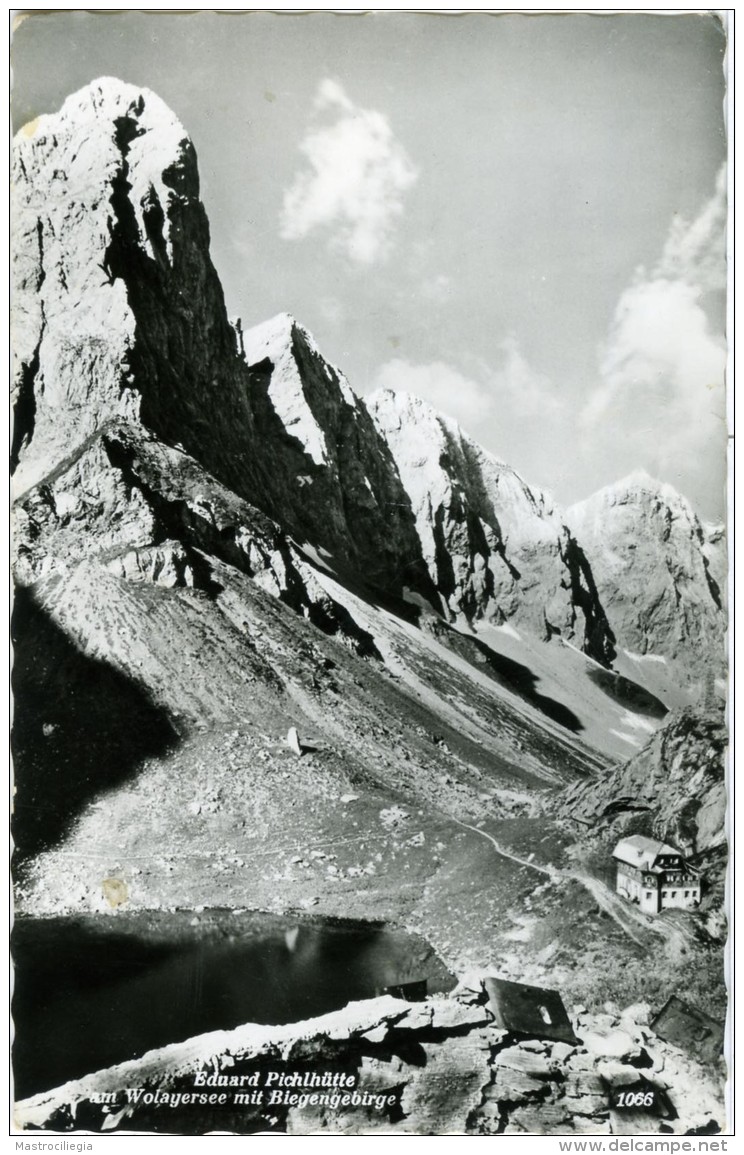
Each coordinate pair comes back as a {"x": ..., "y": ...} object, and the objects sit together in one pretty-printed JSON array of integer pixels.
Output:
[
  {"x": 339, "y": 482},
  {"x": 117, "y": 307},
  {"x": 658, "y": 572},
  {"x": 118, "y": 311},
  {"x": 674, "y": 787},
  {"x": 495, "y": 548}
]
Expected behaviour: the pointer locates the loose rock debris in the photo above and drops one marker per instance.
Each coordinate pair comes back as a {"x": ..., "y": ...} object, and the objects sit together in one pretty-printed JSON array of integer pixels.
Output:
[{"x": 436, "y": 1066}]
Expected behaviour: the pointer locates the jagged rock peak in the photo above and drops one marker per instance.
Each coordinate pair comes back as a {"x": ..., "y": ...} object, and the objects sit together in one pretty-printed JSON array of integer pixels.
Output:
[
  {"x": 399, "y": 413},
  {"x": 659, "y": 510},
  {"x": 102, "y": 99},
  {"x": 495, "y": 548},
  {"x": 400, "y": 409},
  {"x": 286, "y": 350},
  {"x": 638, "y": 487},
  {"x": 108, "y": 117},
  {"x": 407, "y": 406},
  {"x": 658, "y": 571},
  {"x": 118, "y": 310},
  {"x": 339, "y": 483},
  {"x": 276, "y": 335}
]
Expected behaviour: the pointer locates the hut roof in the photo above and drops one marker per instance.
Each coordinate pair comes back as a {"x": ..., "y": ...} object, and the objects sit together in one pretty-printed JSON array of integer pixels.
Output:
[{"x": 640, "y": 851}]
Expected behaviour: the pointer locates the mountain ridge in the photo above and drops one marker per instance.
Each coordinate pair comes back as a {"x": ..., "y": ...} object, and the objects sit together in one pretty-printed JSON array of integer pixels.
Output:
[
  {"x": 490, "y": 535},
  {"x": 119, "y": 312}
]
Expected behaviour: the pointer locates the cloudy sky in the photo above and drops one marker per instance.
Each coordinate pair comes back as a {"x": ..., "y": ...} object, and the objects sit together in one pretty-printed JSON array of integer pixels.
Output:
[{"x": 519, "y": 218}]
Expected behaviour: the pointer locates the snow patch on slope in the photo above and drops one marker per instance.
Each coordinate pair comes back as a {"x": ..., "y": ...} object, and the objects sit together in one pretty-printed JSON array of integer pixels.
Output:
[
  {"x": 627, "y": 738},
  {"x": 644, "y": 657}
]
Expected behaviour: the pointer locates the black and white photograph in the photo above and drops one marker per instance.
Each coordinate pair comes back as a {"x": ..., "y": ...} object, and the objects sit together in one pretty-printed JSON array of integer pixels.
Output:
[{"x": 370, "y": 573}]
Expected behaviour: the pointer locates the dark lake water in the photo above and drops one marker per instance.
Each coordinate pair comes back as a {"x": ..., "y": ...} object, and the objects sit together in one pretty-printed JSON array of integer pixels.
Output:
[{"x": 94, "y": 991}]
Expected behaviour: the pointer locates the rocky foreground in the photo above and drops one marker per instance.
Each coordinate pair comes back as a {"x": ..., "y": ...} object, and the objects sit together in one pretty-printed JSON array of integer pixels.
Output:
[{"x": 435, "y": 1067}]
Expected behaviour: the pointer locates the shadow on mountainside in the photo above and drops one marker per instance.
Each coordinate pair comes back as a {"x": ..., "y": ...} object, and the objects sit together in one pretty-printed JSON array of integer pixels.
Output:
[
  {"x": 80, "y": 726},
  {"x": 627, "y": 693},
  {"x": 509, "y": 673}
]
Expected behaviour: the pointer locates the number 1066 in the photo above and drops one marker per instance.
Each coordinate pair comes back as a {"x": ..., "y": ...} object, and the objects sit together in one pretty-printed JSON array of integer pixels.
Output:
[{"x": 635, "y": 1099}]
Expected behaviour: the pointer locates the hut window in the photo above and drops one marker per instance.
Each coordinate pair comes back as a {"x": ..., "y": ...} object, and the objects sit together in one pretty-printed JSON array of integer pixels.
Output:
[{"x": 545, "y": 1015}]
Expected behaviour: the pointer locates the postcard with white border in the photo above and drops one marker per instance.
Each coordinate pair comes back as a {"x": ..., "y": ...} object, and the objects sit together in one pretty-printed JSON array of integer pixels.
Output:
[{"x": 370, "y": 573}]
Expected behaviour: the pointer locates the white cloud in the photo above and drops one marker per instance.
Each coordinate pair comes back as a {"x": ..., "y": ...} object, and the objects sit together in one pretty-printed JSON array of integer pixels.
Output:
[
  {"x": 484, "y": 405},
  {"x": 331, "y": 309},
  {"x": 696, "y": 253},
  {"x": 440, "y": 384},
  {"x": 437, "y": 289},
  {"x": 357, "y": 176},
  {"x": 662, "y": 374},
  {"x": 661, "y": 393},
  {"x": 662, "y": 334},
  {"x": 529, "y": 392}
]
